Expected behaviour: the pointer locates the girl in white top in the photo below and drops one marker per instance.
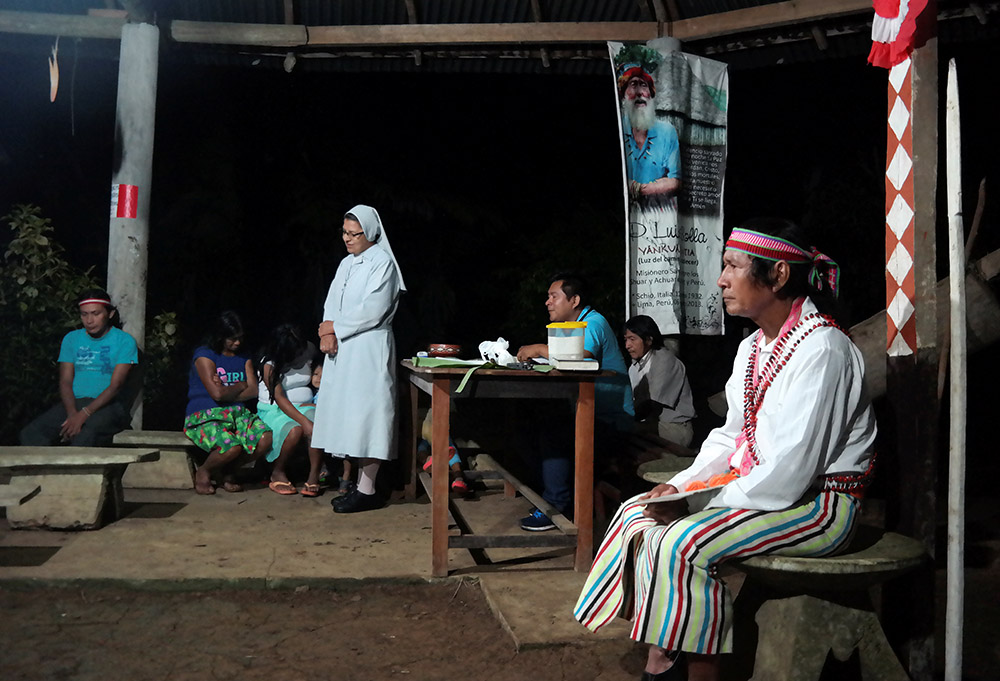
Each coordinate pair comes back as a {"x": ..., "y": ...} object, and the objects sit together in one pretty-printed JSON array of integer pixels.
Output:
[{"x": 284, "y": 372}]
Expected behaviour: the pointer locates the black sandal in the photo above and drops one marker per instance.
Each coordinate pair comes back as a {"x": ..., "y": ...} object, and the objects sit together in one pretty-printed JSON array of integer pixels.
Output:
[{"x": 673, "y": 674}]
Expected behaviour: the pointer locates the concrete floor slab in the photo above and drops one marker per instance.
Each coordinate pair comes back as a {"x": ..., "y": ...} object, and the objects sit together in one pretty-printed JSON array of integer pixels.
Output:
[{"x": 176, "y": 539}]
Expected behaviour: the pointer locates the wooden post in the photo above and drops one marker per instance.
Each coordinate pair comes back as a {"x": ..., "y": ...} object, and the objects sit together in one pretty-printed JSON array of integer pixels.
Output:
[
  {"x": 954, "y": 611},
  {"x": 440, "y": 427},
  {"x": 131, "y": 180},
  {"x": 911, "y": 380},
  {"x": 583, "y": 505}
]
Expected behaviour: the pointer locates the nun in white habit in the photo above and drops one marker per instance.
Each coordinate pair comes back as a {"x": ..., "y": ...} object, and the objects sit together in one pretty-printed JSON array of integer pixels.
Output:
[{"x": 356, "y": 409}]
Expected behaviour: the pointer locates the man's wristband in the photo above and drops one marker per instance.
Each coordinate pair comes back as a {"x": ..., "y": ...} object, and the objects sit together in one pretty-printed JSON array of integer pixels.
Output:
[{"x": 87, "y": 411}]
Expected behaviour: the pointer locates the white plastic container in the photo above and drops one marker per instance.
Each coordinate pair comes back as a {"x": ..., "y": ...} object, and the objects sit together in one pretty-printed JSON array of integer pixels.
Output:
[{"x": 566, "y": 340}]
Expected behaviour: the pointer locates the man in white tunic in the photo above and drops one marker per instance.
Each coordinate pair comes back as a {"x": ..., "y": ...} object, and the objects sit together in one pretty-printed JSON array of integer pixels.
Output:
[
  {"x": 784, "y": 475},
  {"x": 356, "y": 410}
]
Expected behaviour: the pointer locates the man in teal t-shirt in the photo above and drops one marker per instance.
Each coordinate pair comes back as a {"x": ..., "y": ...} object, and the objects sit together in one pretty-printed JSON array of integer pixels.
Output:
[
  {"x": 93, "y": 364},
  {"x": 613, "y": 409}
]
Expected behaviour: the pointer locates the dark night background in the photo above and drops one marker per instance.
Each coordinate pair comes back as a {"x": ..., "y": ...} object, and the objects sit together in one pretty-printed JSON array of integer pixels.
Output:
[{"x": 486, "y": 184}]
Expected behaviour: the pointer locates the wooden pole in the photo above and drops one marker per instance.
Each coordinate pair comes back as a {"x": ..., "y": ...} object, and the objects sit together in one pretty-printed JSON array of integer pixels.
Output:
[
  {"x": 956, "y": 451},
  {"x": 131, "y": 180}
]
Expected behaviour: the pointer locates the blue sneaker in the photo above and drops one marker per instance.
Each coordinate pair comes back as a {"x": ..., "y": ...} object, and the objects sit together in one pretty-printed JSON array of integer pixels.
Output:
[{"x": 537, "y": 522}]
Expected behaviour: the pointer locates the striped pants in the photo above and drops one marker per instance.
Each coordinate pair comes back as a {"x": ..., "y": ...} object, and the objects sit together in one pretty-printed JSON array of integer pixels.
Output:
[{"x": 663, "y": 577}]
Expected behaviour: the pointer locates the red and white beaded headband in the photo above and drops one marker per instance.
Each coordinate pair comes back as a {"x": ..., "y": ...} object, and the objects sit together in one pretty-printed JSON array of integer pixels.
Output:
[
  {"x": 99, "y": 301},
  {"x": 772, "y": 248}
]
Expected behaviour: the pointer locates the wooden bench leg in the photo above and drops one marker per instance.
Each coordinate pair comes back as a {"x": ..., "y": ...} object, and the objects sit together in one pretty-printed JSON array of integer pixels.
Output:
[{"x": 509, "y": 491}]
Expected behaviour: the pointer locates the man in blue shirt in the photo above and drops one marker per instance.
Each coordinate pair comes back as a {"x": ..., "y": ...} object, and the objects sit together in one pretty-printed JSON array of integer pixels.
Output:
[
  {"x": 613, "y": 394},
  {"x": 652, "y": 149},
  {"x": 93, "y": 364}
]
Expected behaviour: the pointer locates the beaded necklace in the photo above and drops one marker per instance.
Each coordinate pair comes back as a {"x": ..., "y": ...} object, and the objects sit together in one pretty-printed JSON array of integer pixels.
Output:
[{"x": 755, "y": 386}]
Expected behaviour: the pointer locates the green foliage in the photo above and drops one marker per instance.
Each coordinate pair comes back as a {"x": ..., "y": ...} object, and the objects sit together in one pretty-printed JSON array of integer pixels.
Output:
[
  {"x": 583, "y": 242},
  {"x": 162, "y": 340},
  {"x": 38, "y": 289}
]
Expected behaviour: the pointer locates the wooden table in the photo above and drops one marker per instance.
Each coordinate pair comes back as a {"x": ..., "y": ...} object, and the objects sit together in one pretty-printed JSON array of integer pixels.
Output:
[{"x": 440, "y": 383}]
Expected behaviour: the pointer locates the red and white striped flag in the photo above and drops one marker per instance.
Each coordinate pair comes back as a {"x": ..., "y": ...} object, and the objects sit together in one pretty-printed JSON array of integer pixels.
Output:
[{"x": 898, "y": 28}]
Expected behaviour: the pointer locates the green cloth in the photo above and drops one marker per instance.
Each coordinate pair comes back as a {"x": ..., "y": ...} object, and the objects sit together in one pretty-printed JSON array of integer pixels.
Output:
[{"x": 436, "y": 362}]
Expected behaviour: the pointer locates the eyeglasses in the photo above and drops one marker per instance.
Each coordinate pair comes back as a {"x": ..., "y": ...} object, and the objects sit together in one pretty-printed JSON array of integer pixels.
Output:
[{"x": 351, "y": 235}]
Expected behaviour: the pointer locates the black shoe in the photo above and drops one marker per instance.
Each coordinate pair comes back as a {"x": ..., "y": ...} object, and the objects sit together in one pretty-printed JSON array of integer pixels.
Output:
[
  {"x": 339, "y": 501},
  {"x": 672, "y": 674},
  {"x": 675, "y": 673},
  {"x": 356, "y": 502}
]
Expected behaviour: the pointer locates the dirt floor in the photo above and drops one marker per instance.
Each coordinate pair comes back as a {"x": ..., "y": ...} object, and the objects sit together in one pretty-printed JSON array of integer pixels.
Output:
[
  {"x": 380, "y": 631},
  {"x": 425, "y": 632}
]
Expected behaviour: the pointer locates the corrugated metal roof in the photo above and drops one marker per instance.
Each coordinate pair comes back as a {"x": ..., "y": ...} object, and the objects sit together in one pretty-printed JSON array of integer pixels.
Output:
[{"x": 790, "y": 44}]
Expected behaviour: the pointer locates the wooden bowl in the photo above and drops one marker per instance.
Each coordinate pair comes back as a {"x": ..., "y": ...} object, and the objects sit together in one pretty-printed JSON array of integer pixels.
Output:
[{"x": 443, "y": 350}]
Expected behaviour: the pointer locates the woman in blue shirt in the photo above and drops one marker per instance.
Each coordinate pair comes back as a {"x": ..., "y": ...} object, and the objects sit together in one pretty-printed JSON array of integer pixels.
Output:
[{"x": 216, "y": 419}]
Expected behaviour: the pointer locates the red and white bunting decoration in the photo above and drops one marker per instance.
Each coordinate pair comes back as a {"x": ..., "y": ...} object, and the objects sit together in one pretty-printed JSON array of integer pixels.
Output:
[
  {"x": 896, "y": 30},
  {"x": 900, "y": 290},
  {"x": 899, "y": 27},
  {"x": 124, "y": 200}
]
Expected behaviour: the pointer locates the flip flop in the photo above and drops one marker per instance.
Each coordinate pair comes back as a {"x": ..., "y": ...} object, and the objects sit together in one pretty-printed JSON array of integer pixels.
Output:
[
  {"x": 282, "y": 487},
  {"x": 310, "y": 490},
  {"x": 460, "y": 486}
]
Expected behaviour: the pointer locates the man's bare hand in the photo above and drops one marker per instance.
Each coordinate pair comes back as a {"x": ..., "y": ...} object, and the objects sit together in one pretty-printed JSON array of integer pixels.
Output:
[
  {"x": 666, "y": 512},
  {"x": 526, "y": 352},
  {"x": 72, "y": 426},
  {"x": 660, "y": 490}
]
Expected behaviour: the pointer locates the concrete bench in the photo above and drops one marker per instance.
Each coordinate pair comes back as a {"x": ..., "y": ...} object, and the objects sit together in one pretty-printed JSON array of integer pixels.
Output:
[
  {"x": 80, "y": 487},
  {"x": 807, "y": 608},
  {"x": 174, "y": 470}
]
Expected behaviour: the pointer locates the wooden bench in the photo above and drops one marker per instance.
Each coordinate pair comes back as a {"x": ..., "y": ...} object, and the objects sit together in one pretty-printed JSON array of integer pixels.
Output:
[
  {"x": 80, "y": 487},
  {"x": 174, "y": 470},
  {"x": 807, "y": 609}
]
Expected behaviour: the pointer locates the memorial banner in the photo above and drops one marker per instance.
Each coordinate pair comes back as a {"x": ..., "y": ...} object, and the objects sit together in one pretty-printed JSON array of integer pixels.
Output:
[{"x": 672, "y": 118}]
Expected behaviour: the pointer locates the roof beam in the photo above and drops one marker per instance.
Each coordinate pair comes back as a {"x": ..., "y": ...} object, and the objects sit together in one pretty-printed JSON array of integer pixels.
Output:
[
  {"x": 67, "y": 25},
  {"x": 758, "y": 18}
]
